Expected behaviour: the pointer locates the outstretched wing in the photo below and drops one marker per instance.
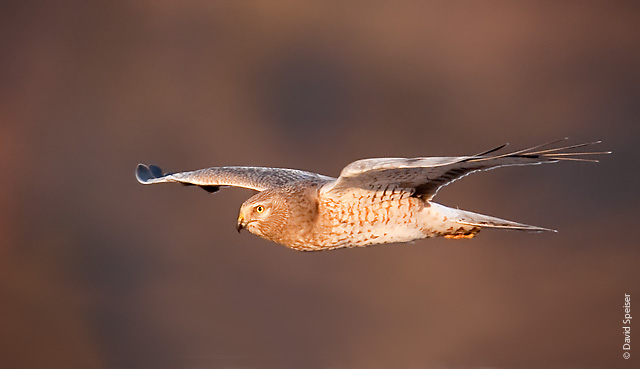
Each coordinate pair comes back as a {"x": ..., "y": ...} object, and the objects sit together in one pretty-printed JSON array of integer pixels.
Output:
[
  {"x": 211, "y": 179},
  {"x": 424, "y": 176}
]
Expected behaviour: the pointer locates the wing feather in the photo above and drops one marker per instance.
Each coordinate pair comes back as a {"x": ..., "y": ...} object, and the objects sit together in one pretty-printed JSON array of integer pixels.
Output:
[
  {"x": 425, "y": 176},
  {"x": 212, "y": 179}
]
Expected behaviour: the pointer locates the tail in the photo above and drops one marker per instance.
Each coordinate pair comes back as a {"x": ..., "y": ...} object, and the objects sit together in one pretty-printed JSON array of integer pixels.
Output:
[{"x": 469, "y": 218}]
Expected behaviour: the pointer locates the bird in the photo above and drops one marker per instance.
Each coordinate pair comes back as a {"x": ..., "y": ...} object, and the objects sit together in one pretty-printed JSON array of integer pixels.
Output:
[{"x": 373, "y": 201}]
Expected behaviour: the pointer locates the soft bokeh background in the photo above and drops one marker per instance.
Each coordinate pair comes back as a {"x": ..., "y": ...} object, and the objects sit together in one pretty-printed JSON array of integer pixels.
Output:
[{"x": 97, "y": 271}]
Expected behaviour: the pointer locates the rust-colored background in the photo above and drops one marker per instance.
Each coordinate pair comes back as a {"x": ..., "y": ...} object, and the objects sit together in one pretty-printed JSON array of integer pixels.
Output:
[{"x": 97, "y": 271}]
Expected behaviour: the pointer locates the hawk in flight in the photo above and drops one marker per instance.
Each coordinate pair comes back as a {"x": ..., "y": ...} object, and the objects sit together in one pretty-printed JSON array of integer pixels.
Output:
[{"x": 373, "y": 201}]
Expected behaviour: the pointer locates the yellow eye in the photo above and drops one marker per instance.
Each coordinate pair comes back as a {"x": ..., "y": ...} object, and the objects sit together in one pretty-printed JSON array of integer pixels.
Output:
[{"x": 259, "y": 208}]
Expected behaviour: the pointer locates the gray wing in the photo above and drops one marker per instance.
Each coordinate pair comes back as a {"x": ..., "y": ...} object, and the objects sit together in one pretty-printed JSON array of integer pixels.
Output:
[
  {"x": 212, "y": 179},
  {"x": 424, "y": 176}
]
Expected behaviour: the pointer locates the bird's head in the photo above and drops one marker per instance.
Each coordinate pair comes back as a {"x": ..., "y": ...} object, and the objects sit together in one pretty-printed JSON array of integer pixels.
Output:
[{"x": 264, "y": 214}]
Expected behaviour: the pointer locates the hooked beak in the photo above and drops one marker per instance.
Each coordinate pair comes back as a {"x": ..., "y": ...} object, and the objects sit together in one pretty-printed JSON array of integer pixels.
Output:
[{"x": 241, "y": 224}]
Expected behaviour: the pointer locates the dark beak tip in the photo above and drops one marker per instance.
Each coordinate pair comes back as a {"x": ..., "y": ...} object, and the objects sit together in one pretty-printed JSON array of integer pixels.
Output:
[{"x": 239, "y": 227}]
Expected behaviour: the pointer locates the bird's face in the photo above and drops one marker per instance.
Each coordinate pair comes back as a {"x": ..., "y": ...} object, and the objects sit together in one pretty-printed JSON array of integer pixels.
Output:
[{"x": 263, "y": 215}]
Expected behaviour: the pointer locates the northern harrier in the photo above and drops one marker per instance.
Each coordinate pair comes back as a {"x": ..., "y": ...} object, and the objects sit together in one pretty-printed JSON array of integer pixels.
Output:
[{"x": 373, "y": 201}]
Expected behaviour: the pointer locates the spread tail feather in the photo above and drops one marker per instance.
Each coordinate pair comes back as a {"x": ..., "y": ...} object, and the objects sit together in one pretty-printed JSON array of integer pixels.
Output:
[{"x": 485, "y": 221}]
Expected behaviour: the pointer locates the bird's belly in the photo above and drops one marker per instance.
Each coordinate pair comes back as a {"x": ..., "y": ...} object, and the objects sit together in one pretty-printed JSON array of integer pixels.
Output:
[{"x": 362, "y": 224}]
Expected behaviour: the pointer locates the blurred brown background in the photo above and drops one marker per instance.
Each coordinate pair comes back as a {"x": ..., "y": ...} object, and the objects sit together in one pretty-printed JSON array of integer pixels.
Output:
[{"x": 97, "y": 271}]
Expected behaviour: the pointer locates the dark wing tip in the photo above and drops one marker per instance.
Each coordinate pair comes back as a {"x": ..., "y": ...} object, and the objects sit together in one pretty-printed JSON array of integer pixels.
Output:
[
  {"x": 156, "y": 171},
  {"x": 146, "y": 174},
  {"x": 492, "y": 150},
  {"x": 210, "y": 188}
]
